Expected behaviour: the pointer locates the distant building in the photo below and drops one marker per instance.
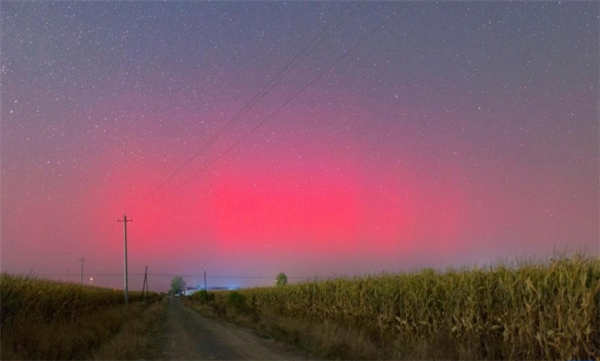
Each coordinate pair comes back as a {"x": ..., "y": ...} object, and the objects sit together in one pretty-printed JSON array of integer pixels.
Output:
[{"x": 191, "y": 290}]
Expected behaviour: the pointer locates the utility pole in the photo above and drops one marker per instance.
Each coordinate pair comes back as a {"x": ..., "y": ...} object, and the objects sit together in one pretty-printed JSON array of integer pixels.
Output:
[
  {"x": 205, "y": 281},
  {"x": 126, "y": 290},
  {"x": 81, "y": 274},
  {"x": 145, "y": 286}
]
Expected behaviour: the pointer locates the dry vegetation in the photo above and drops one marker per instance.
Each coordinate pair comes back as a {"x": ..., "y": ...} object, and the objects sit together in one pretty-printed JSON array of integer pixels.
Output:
[
  {"x": 138, "y": 339},
  {"x": 42, "y": 319},
  {"x": 528, "y": 311}
]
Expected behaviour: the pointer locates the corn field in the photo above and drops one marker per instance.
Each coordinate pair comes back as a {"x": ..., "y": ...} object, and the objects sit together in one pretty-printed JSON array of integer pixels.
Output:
[
  {"x": 531, "y": 311},
  {"x": 42, "y": 319},
  {"x": 52, "y": 300}
]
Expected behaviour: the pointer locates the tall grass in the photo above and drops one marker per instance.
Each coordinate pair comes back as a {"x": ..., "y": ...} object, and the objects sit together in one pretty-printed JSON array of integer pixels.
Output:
[
  {"x": 528, "y": 311},
  {"x": 42, "y": 319}
]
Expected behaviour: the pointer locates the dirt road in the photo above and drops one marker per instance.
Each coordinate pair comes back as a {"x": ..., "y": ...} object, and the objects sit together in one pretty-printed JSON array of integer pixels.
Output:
[{"x": 190, "y": 336}]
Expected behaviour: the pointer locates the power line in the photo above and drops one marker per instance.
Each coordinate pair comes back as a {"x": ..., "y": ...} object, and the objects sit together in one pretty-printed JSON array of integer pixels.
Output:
[
  {"x": 261, "y": 123},
  {"x": 303, "y": 53},
  {"x": 197, "y": 275}
]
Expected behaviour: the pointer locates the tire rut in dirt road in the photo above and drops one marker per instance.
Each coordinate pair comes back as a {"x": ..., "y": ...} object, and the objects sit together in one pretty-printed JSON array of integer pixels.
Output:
[{"x": 190, "y": 336}]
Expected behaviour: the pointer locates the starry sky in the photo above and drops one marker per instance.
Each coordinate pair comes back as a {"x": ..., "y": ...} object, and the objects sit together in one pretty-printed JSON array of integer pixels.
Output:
[{"x": 313, "y": 138}]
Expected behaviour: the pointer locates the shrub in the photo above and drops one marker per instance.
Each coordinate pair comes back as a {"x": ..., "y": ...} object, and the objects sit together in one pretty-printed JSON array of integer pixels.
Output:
[
  {"x": 203, "y": 296},
  {"x": 236, "y": 300}
]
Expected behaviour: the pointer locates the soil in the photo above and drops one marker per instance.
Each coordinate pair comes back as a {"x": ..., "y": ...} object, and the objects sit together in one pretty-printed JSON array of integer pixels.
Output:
[{"x": 191, "y": 336}]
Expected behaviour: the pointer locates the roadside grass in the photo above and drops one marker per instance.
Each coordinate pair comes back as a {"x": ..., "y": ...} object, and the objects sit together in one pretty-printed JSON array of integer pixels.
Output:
[
  {"x": 527, "y": 310},
  {"x": 333, "y": 341},
  {"x": 44, "y": 319},
  {"x": 140, "y": 338}
]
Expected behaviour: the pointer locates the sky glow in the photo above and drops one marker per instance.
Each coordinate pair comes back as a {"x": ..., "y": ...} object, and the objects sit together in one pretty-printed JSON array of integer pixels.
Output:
[{"x": 457, "y": 132}]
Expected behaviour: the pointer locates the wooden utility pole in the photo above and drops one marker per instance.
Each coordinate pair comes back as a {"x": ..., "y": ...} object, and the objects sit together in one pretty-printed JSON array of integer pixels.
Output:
[
  {"x": 126, "y": 279},
  {"x": 205, "y": 281},
  {"x": 145, "y": 286},
  {"x": 81, "y": 273}
]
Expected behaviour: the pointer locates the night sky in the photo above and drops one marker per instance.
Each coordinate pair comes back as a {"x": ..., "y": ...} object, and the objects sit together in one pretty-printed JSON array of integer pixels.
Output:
[{"x": 388, "y": 136}]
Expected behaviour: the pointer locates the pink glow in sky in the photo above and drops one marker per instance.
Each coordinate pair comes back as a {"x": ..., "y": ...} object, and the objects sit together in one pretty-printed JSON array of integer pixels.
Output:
[{"x": 456, "y": 133}]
